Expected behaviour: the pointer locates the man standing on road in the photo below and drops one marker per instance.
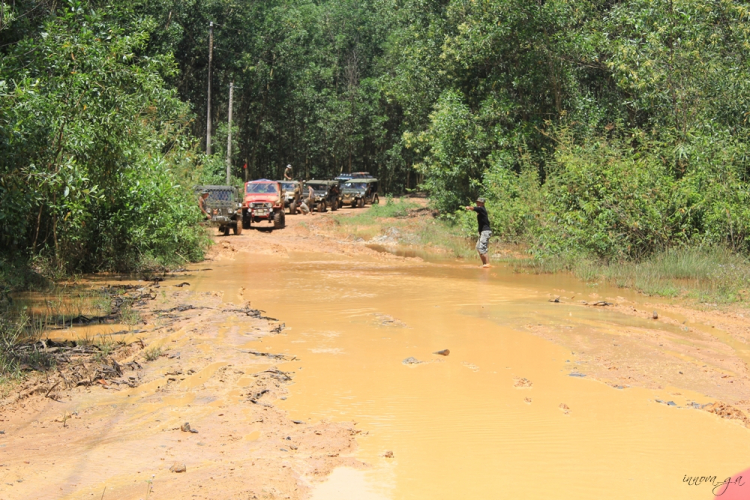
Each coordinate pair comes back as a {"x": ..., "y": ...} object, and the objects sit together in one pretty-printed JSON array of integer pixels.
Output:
[{"x": 483, "y": 221}]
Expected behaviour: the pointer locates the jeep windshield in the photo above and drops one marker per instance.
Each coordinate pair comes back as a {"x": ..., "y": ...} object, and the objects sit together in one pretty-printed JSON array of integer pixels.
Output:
[
  {"x": 355, "y": 185},
  {"x": 288, "y": 186},
  {"x": 261, "y": 188},
  {"x": 319, "y": 188}
]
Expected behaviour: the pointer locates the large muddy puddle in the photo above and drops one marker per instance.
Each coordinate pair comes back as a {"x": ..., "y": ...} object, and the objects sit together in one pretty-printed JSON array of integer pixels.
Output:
[{"x": 464, "y": 425}]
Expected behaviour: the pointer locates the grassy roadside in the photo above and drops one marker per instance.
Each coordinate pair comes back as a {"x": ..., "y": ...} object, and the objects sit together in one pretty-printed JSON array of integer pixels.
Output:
[
  {"x": 405, "y": 222},
  {"x": 706, "y": 275}
]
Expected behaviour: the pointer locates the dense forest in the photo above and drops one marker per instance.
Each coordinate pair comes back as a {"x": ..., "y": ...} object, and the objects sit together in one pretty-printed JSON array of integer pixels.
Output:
[{"x": 607, "y": 128}]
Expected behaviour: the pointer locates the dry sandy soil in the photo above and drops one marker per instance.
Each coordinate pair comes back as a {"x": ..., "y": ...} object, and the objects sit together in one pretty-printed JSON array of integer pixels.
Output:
[{"x": 80, "y": 434}]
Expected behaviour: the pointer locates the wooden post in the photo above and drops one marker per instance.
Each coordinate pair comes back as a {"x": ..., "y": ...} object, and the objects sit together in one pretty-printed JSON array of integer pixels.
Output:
[
  {"x": 229, "y": 134},
  {"x": 208, "y": 110}
]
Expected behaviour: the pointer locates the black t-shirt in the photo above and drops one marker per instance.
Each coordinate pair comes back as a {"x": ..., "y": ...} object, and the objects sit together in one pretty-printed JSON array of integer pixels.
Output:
[{"x": 483, "y": 221}]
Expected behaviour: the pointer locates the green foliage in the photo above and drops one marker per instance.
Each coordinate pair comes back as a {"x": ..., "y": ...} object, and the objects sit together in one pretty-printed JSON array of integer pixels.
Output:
[
  {"x": 604, "y": 200},
  {"x": 610, "y": 200},
  {"x": 610, "y": 130},
  {"x": 92, "y": 146},
  {"x": 516, "y": 200},
  {"x": 607, "y": 129},
  {"x": 455, "y": 145}
]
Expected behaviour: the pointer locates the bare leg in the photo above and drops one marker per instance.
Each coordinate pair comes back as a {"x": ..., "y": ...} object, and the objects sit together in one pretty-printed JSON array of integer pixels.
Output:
[{"x": 485, "y": 260}]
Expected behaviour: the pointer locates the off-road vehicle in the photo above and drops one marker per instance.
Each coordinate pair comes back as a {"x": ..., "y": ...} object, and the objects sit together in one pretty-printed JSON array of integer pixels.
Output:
[
  {"x": 343, "y": 178},
  {"x": 359, "y": 192},
  {"x": 264, "y": 201},
  {"x": 224, "y": 208},
  {"x": 292, "y": 195},
  {"x": 327, "y": 194}
]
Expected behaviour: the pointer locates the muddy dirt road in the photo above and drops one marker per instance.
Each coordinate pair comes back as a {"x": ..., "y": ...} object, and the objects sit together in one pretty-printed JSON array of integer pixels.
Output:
[{"x": 340, "y": 395}]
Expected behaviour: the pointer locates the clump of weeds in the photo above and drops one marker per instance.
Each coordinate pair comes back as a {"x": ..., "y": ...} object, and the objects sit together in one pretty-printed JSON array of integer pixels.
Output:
[
  {"x": 130, "y": 316},
  {"x": 152, "y": 354}
]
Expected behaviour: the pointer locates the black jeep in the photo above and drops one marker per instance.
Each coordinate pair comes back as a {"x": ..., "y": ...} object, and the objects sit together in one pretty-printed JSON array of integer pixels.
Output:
[
  {"x": 327, "y": 194},
  {"x": 359, "y": 192}
]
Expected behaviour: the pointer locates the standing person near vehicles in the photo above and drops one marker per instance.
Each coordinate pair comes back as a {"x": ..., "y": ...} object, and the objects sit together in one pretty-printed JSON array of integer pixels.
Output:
[
  {"x": 202, "y": 204},
  {"x": 334, "y": 195},
  {"x": 297, "y": 196},
  {"x": 483, "y": 223},
  {"x": 288, "y": 173}
]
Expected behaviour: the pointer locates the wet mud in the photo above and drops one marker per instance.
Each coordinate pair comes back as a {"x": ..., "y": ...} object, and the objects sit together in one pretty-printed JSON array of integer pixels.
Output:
[
  {"x": 382, "y": 375},
  {"x": 191, "y": 415}
]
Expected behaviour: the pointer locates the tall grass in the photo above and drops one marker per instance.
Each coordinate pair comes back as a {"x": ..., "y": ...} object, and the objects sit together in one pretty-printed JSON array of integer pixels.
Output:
[
  {"x": 392, "y": 208},
  {"x": 707, "y": 274},
  {"x": 713, "y": 274},
  {"x": 414, "y": 231},
  {"x": 442, "y": 234},
  {"x": 10, "y": 334}
]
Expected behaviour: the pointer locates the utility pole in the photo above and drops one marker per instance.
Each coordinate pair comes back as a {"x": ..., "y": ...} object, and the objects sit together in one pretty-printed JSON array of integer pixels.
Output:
[
  {"x": 229, "y": 134},
  {"x": 208, "y": 112}
]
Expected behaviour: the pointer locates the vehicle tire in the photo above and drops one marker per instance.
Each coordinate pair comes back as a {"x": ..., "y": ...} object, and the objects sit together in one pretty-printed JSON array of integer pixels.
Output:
[
  {"x": 354, "y": 204},
  {"x": 292, "y": 208},
  {"x": 375, "y": 200},
  {"x": 237, "y": 228},
  {"x": 322, "y": 207},
  {"x": 225, "y": 230},
  {"x": 245, "y": 221},
  {"x": 279, "y": 219},
  {"x": 361, "y": 203}
]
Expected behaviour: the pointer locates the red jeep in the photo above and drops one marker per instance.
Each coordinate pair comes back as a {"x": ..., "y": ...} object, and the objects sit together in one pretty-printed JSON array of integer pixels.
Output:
[{"x": 264, "y": 200}]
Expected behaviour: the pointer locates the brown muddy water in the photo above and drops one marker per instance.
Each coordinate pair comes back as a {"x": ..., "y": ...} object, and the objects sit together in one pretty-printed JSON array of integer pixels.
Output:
[{"x": 456, "y": 425}]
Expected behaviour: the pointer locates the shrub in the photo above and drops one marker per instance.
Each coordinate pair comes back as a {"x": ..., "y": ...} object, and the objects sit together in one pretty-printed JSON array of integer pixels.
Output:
[{"x": 605, "y": 200}]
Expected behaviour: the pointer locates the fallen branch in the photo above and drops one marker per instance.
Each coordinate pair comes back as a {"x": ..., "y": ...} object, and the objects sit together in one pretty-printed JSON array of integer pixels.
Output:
[
  {"x": 50, "y": 390},
  {"x": 267, "y": 355}
]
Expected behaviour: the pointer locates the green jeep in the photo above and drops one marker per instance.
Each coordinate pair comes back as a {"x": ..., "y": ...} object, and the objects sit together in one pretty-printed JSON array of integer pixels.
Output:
[{"x": 224, "y": 208}]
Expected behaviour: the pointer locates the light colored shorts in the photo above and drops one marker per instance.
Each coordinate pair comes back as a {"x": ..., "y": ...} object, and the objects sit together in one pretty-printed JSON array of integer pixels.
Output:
[{"x": 484, "y": 241}]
